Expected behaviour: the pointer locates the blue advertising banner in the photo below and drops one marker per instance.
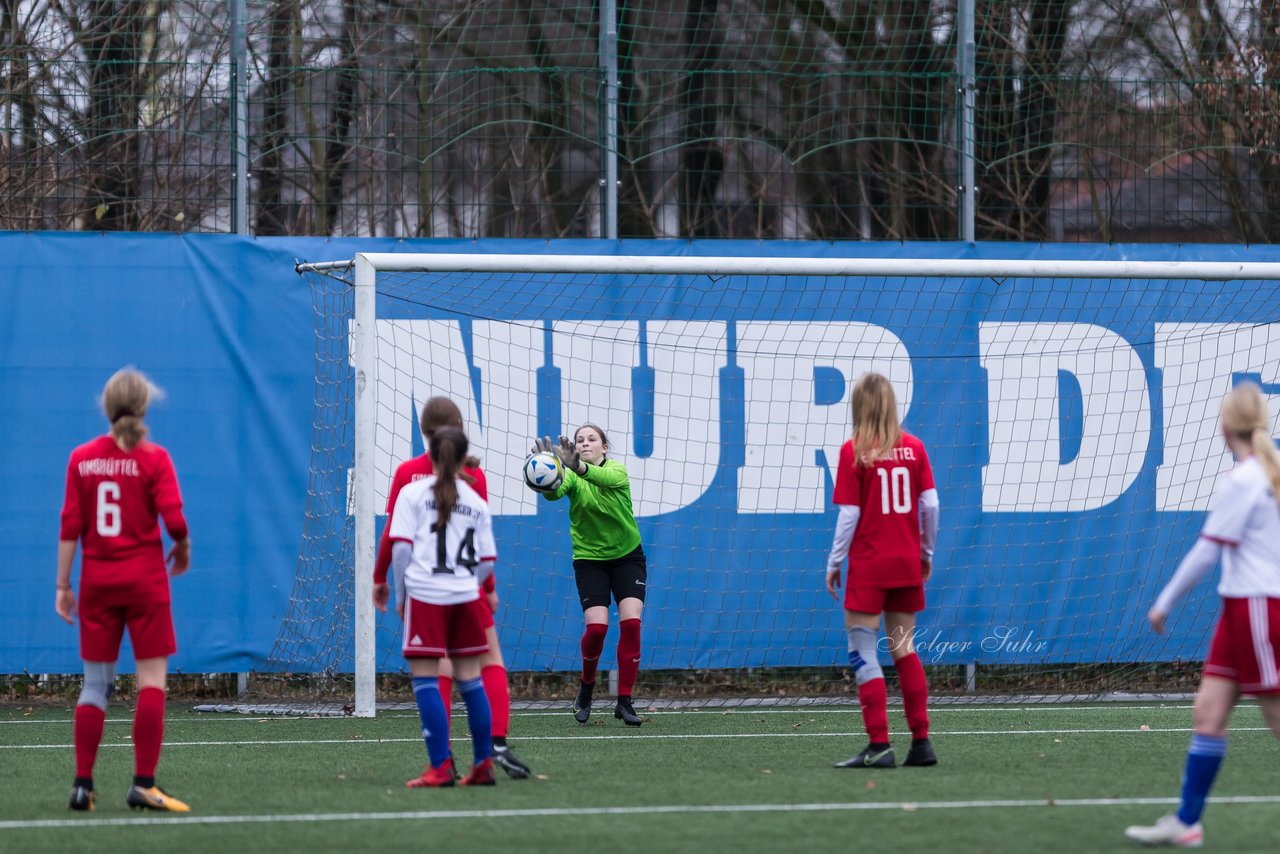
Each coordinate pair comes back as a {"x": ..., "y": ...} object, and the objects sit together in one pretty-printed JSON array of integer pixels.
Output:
[{"x": 1071, "y": 427}]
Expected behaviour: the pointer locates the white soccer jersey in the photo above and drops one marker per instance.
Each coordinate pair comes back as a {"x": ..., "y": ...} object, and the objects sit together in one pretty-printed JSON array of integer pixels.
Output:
[
  {"x": 1245, "y": 519},
  {"x": 443, "y": 569}
]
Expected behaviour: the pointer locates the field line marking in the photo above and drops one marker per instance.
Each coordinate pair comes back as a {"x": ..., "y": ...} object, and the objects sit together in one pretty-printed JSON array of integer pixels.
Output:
[
  {"x": 237, "y": 717},
  {"x": 633, "y": 737},
  {"x": 677, "y": 809}
]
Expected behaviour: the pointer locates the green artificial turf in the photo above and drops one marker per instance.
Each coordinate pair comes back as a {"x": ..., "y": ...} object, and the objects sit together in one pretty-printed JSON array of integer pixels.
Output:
[{"x": 325, "y": 784}]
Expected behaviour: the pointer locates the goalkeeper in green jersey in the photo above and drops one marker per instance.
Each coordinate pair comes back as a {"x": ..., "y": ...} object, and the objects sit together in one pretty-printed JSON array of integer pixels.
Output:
[{"x": 607, "y": 559}]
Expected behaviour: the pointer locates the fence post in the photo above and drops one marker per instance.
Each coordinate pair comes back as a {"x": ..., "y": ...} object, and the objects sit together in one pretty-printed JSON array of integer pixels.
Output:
[
  {"x": 966, "y": 107},
  {"x": 239, "y": 119},
  {"x": 609, "y": 66}
]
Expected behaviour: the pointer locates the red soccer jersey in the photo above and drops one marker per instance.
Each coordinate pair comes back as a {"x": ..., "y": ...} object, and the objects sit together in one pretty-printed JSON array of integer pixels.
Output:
[
  {"x": 406, "y": 473},
  {"x": 112, "y": 504},
  {"x": 885, "y": 551}
]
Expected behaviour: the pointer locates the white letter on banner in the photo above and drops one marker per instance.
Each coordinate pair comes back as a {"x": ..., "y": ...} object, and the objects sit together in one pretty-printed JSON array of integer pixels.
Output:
[
  {"x": 418, "y": 359},
  {"x": 508, "y": 355},
  {"x": 596, "y": 360},
  {"x": 1198, "y": 361},
  {"x": 1025, "y": 472},
  {"x": 785, "y": 426}
]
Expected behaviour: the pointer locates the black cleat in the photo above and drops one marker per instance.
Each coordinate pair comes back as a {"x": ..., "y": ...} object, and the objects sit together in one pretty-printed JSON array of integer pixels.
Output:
[
  {"x": 582, "y": 705},
  {"x": 869, "y": 758},
  {"x": 82, "y": 800},
  {"x": 921, "y": 753},
  {"x": 626, "y": 713},
  {"x": 509, "y": 762}
]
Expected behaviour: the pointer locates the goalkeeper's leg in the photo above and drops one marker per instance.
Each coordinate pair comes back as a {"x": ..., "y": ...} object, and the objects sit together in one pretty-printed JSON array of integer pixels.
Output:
[
  {"x": 629, "y": 611},
  {"x": 593, "y": 591}
]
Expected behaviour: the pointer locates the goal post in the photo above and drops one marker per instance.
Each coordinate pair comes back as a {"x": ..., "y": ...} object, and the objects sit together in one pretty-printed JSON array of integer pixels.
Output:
[{"x": 1065, "y": 405}]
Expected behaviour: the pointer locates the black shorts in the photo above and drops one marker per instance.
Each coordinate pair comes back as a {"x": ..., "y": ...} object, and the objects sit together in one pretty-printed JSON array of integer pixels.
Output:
[{"x": 624, "y": 576}]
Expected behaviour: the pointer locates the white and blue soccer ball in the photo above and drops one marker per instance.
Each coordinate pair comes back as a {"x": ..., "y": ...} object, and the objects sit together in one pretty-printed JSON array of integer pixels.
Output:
[{"x": 543, "y": 471}]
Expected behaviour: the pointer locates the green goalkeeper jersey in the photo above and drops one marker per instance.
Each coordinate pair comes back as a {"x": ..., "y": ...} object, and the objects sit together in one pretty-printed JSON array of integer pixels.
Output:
[{"x": 602, "y": 525}]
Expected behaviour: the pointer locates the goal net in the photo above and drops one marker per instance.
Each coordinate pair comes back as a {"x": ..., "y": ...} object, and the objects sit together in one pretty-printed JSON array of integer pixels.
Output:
[{"x": 1069, "y": 408}]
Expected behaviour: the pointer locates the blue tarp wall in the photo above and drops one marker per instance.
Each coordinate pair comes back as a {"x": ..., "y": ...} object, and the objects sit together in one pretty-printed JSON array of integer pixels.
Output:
[{"x": 225, "y": 326}]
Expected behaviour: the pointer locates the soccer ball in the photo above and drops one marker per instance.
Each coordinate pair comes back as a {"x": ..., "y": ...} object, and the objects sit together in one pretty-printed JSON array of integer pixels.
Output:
[{"x": 543, "y": 471}]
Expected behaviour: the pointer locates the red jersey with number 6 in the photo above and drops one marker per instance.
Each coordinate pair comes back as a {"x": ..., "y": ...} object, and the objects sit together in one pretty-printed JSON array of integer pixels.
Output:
[
  {"x": 113, "y": 501},
  {"x": 885, "y": 551}
]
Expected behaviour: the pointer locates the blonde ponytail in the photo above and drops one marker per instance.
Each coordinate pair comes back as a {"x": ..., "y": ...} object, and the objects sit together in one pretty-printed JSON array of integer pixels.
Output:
[
  {"x": 1264, "y": 448},
  {"x": 124, "y": 401},
  {"x": 1245, "y": 415},
  {"x": 876, "y": 431}
]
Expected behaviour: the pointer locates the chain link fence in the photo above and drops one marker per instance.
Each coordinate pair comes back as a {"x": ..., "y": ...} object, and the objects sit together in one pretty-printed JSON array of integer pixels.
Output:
[{"x": 1115, "y": 120}]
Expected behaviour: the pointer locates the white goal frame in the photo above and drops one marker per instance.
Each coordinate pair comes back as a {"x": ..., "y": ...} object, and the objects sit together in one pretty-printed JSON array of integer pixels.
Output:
[{"x": 367, "y": 265}]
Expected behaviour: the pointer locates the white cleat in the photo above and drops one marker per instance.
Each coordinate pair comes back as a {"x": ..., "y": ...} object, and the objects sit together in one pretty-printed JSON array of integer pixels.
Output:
[{"x": 1168, "y": 831}]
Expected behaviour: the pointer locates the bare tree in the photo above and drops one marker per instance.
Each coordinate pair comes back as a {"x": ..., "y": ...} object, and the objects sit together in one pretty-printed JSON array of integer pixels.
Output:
[{"x": 738, "y": 118}]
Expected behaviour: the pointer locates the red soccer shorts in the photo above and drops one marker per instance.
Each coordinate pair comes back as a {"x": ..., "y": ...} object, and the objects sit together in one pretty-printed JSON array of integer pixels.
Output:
[
  {"x": 436, "y": 631},
  {"x": 873, "y": 600},
  {"x": 1245, "y": 645},
  {"x": 486, "y": 613},
  {"x": 150, "y": 626}
]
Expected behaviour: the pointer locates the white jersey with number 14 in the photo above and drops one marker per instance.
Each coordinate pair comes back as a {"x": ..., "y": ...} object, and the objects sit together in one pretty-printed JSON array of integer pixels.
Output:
[{"x": 443, "y": 569}]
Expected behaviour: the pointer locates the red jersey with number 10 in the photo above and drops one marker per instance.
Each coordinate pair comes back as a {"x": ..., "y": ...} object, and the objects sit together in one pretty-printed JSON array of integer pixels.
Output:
[
  {"x": 885, "y": 551},
  {"x": 112, "y": 504}
]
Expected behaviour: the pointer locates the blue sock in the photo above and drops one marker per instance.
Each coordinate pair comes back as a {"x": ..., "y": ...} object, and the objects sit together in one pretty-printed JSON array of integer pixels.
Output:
[
  {"x": 479, "y": 718},
  {"x": 1204, "y": 757},
  {"x": 435, "y": 723}
]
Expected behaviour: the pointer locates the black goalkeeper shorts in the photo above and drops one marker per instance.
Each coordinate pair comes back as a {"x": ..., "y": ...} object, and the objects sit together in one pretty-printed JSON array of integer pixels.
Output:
[{"x": 624, "y": 577}]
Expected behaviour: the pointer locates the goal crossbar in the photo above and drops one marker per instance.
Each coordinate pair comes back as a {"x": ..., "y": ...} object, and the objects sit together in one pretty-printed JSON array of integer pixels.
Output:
[{"x": 1004, "y": 268}]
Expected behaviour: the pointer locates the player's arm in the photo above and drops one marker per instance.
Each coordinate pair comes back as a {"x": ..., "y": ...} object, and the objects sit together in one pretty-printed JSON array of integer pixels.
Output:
[
  {"x": 1224, "y": 526},
  {"x": 480, "y": 483},
  {"x": 606, "y": 476},
  {"x": 70, "y": 528},
  {"x": 580, "y": 491},
  {"x": 72, "y": 517},
  {"x": 568, "y": 485},
  {"x": 929, "y": 510},
  {"x": 402, "y": 528},
  {"x": 401, "y": 557},
  {"x": 846, "y": 524},
  {"x": 64, "y": 600},
  {"x": 846, "y": 497},
  {"x": 486, "y": 547},
  {"x": 168, "y": 498},
  {"x": 1203, "y": 557},
  {"x": 382, "y": 562}
]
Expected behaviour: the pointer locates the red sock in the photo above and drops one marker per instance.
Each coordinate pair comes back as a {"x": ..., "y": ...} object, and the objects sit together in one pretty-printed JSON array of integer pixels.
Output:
[
  {"x": 915, "y": 694},
  {"x": 89, "y": 721},
  {"x": 628, "y": 656},
  {"x": 446, "y": 694},
  {"x": 148, "y": 731},
  {"x": 592, "y": 646},
  {"x": 875, "y": 710},
  {"x": 499, "y": 694}
]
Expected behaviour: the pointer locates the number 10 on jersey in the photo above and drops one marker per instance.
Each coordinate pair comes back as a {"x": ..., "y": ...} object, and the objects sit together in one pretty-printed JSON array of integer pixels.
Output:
[{"x": 895, "y": 490}]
